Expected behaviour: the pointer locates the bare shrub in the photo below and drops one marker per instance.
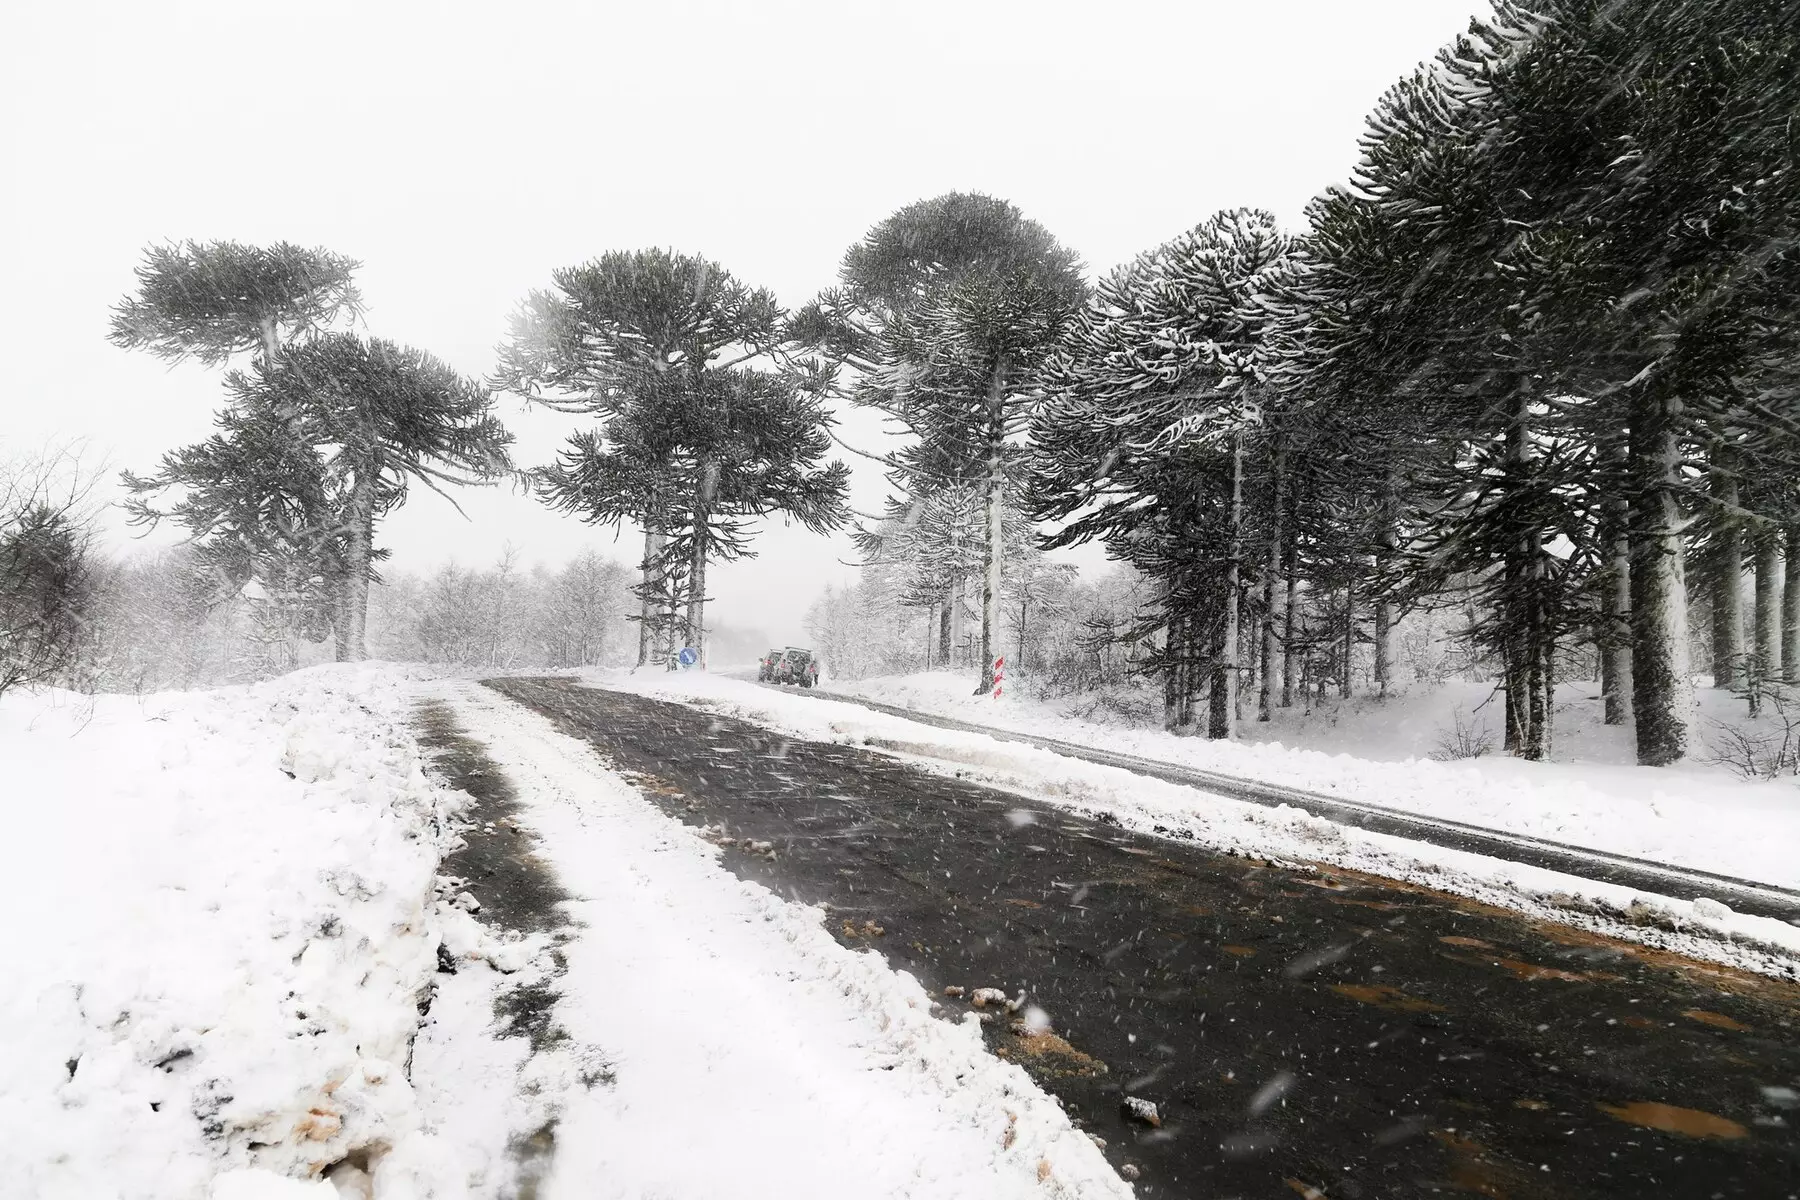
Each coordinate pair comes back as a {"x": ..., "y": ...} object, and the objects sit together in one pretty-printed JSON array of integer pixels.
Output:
[
  {"x": 1465, "y": 738},
  {"x": 1768, "y": 748}
]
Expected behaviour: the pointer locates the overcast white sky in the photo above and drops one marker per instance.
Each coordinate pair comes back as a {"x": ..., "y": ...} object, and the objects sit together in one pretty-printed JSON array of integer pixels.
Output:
[{"x": 462, "y": 152}]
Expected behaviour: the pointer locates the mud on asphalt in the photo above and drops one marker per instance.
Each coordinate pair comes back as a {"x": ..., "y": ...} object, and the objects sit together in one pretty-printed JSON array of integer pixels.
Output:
[{"x": 1314, "y": 1033}]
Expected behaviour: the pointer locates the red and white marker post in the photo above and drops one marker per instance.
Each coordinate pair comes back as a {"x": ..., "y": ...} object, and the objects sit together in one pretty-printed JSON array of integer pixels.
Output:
[{"x": 999, "y": 674}]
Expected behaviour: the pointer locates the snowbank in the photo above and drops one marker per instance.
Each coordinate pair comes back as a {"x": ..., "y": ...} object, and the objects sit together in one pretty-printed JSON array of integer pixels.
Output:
[
  {"x": 222, "y": 931},
  {"x": 1701, "y": 928},
  {"x": 747, "y": 1052},
  {"x": 1379, "y": 752}
]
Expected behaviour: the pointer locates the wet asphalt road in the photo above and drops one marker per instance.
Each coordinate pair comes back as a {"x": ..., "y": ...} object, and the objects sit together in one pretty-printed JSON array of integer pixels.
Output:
[{"x": 1323, "y": 1034}]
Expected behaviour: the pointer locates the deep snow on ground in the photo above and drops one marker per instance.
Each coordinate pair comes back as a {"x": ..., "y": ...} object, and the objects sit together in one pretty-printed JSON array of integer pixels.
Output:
[
  {"x": 226, "y": 977},
  {"x": 1702, "y": 928},
  {"x": 1380, "y": 752},
  {"x": 229, "y": 929},
  {"x": 745, "y": 1051}
]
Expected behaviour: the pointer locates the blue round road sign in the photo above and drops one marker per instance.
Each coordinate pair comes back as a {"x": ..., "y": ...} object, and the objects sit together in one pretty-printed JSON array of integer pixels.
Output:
[{"x": 688, "y": 656}]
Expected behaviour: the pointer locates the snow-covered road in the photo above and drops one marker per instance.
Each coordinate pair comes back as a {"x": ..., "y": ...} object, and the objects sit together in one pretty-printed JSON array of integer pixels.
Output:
[
  {"x": 1290, "y": 1022},
  {"x": 745, "y": 1052},
  {"x": 236, "y": 973}
]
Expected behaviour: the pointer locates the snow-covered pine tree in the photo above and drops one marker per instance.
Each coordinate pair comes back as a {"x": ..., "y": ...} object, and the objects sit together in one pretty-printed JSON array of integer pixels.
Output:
[
  {"x": 694, "y": 443},
  {"x": 1656, "y": 143},
  {"x": 213, "y": 301},
  {"x": 259, "y": 510},
  {"x": 311, "y": 455},
  {"x": 943, "y": 314},
  {"x": 1151, "y": 408},
  {"x": 385, "y": 417}
]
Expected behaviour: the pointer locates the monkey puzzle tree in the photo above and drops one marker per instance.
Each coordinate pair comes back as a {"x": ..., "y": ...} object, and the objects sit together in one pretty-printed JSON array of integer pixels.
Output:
[
  {"x": 213, "y": 300},
  {"x": 255, "y": 498},
  {"x": 619, "y": 336},
  {"x": 309, "y": 457},
  {"x": 944, "y": 313},
  {"x": 384, "y": 416}
]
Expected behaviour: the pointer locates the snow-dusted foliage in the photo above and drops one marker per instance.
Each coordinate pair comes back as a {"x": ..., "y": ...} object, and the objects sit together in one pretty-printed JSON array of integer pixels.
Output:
[
  {"x": 1536, "y": 356},
  {"x": 698, "y": 436},
  {"x": 322, "y": 437},
  {"x": 944, "y": 313}
]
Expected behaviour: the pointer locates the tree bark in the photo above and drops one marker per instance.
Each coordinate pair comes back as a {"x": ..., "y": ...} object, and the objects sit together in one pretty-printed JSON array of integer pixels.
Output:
[
  {"x": 1019, "y": 658},
  {"x": 1726, "y": 573},
  {"x": 1525, "y": 628},
  {"x": 1613, "y": 635},
  {"x": 1345, "y": 690},
  {"x": 360, "y": 554},
  {"x": 1290, "y": 608},
  {"x": 1225, "y": 681},
  {"x": 1790, "y": 606},
  {"x": 1765, "y": 542},
  {"x": 944, "y": 627},
  {"x": 1383, "y": 619},
  {"x": 1383, "y": 614},
  {"x": 705, "y": 485},
  {"x": 1661, "y": 687},
  {"x": 1272, "y": 593},
  {"x": 340, "y": 622},
  {"x": 1171, "y": 675},
  {"x": 958, "y": 620},
  {"x": 995, "y": 544},
  {"x": 652, "y": 547}
]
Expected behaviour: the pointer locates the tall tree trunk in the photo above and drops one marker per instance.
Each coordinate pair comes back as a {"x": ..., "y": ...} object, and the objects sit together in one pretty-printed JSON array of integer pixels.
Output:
[
  {"x": 1540, "y": 659},
  {"x": 1383, "y": 618},
  {"x": 1345, "y": 689},
  {"x": 646, "y": 606},
  {"x": 340, "y": 621},
  {"x": 945, "y": 621},
  {"x": 696, "y": 601},
  {"x": 1509, "y": 687},
  {"x": 1524, "y": 619},
  {"x": 1765, "y": 543},
  {"x": 1172, "y": 690},
  {"x": 959, "y": 620},
  {"x": 1613, "y": 635},
  {"x": 360, "y": 554},
  {"x": 1726, "y": 572},
  {"x": 1290, "y": 611},
  {"x": 1661, "y": 687},
  {"x": 1383, "y": 613},
  {"x": 1272, "y": 593},
  {"x": 1019, "y": 658},
  {"x": 1225, "y": 675},
  {"x": 705, "y": 486},
  {"x": 995, "y": 544},
  {"x": 1790, "y": 606}
]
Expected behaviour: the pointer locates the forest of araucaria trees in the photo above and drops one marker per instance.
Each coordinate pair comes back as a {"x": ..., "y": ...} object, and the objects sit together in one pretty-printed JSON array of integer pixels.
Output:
[
  {"x": 1533, "y": 367},
  {"x": 1535, "y": 362}
]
